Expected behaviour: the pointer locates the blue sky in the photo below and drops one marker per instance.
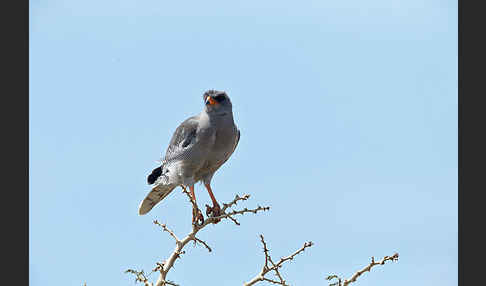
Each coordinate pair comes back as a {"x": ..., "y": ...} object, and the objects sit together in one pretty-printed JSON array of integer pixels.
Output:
[{"x": 348, "y": 119}]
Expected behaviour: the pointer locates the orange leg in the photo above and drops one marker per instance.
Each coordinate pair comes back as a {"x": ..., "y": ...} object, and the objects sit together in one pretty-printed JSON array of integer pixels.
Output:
[
  {"x": 210, "y": 191},
  {"x": 196, "y": 213},
  {"x": 216, "y": 209},
  {"x": 193, "y": 195}
]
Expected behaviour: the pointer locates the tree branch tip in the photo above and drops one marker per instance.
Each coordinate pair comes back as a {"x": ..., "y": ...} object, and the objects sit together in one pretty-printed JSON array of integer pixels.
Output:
[
  {"x": 357, "y": 274},
  {"x": 159, "y": 267}
]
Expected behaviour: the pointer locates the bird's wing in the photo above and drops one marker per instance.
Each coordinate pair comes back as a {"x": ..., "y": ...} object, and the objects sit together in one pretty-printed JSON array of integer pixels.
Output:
[
  {"x": 183, "y": 139},
  {"x": 237, "y": 140}
]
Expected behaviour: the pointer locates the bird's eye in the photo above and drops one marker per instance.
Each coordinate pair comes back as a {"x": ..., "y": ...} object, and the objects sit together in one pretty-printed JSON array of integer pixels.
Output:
[{"x": 220, "y": 98}]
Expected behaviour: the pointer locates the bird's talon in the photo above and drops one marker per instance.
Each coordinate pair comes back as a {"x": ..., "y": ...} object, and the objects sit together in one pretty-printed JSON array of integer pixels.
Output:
[
  {"x": 208, "y": 210},
  {"x": 197, "y": 217},
  {"x": 214, "y": 211}
]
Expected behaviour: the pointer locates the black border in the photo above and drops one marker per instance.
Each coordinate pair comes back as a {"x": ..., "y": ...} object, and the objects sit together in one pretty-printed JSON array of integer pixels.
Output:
[
  {"x": 471, "y": 143},
  {"x": 15, "y": 142}
]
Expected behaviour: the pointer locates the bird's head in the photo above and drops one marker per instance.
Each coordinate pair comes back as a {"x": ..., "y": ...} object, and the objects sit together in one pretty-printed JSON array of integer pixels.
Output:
[{"x": 217, "y": 102}]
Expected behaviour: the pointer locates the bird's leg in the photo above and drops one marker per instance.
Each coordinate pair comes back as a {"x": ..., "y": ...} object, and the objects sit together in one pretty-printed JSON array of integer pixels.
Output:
[
  {"x": 216, "y": 209},
  {"x": 196, "y": 213}
]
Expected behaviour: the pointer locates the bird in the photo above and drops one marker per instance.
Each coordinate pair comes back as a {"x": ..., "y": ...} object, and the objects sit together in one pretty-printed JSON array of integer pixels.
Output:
[{"x": 199, "y": 146}]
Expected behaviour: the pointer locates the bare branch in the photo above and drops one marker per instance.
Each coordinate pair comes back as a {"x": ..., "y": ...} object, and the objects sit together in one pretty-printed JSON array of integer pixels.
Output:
[
  {"x": 203, "y": 243},
  {"x": 139, "y": 277},
  {"x": 229, "y": 215},
  {"x": 275, "y": 266},
  {"x": 165, "y": 228},
  {"x": 240, "y": 212},
  {"x": 271, "y": 281},
  {"x": 235, "y": 201},
  {"x": 355, "y": 276},
  {"x": 269, "y": 265},
  {"x": 164, "y": 268}
]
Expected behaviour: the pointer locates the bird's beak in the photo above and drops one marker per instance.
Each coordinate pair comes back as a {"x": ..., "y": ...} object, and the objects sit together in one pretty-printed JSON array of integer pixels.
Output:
[{"x": 210, "y": 101}]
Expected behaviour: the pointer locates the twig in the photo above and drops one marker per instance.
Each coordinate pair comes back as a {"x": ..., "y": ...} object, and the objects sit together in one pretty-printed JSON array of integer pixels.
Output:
[
  {"x": 139, "y": 277},
  {"x": 275, "y": 266},
  {"x": 165, "y": 228},
  {"x": 355, "y": 276},
  {"x": 240, "y": 212},
  {"x": 203, "y": 243},
  {"x": 235, "y": 201},
  {"x": 271, "y": 281}
]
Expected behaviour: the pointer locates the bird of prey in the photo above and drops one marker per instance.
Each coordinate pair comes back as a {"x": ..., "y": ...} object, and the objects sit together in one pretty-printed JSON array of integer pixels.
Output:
[{"x": 199, "y": 146}]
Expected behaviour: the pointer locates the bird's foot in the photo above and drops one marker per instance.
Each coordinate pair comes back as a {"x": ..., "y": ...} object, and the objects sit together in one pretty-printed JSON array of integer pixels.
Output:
[
  {"x": 197, "y": 217},
  {"x": 214, "y": 211}
]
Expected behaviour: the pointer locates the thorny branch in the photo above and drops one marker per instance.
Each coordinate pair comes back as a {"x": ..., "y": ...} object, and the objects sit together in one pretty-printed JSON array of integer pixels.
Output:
[
  {"x": 269, "y": 266},
  {"x": 164, "y": 268},
  {"x": 355, "y": 276},
  {"x": 139, "y": 277},
  {"x": 274, "y": 266}
]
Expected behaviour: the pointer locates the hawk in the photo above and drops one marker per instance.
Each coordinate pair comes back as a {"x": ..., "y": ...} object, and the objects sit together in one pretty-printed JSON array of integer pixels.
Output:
[{"x": 198, "y": 148}]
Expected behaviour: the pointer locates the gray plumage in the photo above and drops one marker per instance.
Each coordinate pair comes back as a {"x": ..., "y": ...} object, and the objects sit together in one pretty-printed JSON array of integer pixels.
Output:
[{"x": 199, "y": 146}]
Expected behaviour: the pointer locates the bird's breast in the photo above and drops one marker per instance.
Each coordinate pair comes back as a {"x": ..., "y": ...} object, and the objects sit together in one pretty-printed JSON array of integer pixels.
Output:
[{"x": 223, "y": 146}]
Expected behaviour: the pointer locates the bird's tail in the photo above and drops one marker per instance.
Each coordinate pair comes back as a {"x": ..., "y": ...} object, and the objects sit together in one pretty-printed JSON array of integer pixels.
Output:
[{"x": 158, "y": 193}]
